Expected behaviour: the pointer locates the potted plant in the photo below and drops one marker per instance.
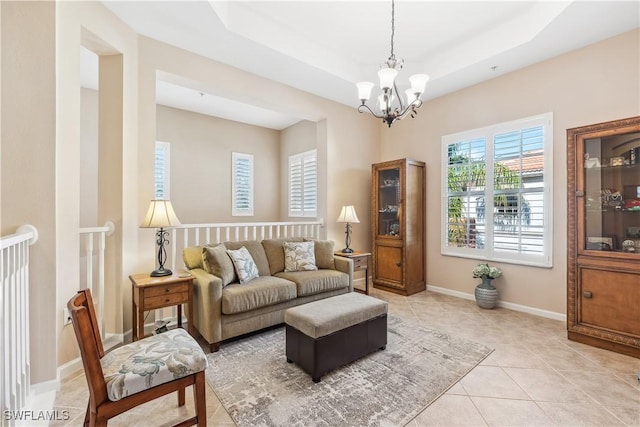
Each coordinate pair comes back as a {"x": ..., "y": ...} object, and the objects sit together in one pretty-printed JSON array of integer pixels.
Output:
[{"x": 486, "y": 294}]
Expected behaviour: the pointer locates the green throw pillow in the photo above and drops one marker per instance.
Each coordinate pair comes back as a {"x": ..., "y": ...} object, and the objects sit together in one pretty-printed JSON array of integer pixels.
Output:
[{"x": 216, "y": 261}]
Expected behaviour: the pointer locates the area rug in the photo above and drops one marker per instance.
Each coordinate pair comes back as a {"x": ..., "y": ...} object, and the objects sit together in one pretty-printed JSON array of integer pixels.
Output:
[{"x": 257, "y": 386}]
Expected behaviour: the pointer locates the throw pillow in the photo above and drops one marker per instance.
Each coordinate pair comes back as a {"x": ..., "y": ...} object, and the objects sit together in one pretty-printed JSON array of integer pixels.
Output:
[
  {"x": 244, "y": 265},
  {"x": 299, "y": 256},
  {"x": 323, "y": 250},
  {"x": 216, "y": 261}
]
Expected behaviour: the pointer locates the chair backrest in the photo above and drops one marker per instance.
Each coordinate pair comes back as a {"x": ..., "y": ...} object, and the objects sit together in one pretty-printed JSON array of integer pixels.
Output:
[{"x": 85, "y": 325}]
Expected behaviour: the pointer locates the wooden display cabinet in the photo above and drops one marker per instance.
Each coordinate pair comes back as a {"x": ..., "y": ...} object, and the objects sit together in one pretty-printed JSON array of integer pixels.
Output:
[
  {"x": 603, "y": 231},
  {"x": 398, "y": 231}
]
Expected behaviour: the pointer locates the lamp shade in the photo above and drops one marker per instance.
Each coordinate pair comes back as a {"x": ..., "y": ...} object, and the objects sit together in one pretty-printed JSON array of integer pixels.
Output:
[
  {"x": 418, "y": 83},
  {"x": 160, "y": 214},
  {"x": 348, "y": 214},
  {"x": 387, "y": 76},
  {"x": 364, "y": 90}
]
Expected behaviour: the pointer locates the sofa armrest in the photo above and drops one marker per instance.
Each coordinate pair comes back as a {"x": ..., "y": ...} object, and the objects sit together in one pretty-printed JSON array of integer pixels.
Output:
[
  {"x": 207, "y": 305},
  {"x": 346, "y": 266}
]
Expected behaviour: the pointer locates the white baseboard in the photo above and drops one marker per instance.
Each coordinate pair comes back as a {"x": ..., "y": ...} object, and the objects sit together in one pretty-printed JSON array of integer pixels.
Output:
[{"x": 504, "y": 304}]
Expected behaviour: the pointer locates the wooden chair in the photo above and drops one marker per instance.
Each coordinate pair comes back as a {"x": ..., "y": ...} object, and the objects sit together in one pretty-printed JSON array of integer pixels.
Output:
[{"x": 111, "y": 392}]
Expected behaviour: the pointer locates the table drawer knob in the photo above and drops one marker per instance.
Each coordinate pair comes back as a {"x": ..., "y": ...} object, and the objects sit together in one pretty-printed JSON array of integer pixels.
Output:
[
  {"x": 167, "y": 290},
  {"x": 587, "y": 294}
]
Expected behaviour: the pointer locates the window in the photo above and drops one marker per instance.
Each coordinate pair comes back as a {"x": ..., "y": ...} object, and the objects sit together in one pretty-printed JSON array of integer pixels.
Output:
[
  {"x": 242, "y": 184},
  {"x": 303, "y": 184},
  {"x": 161, "y": 175},
  {"x": 508, "y": 165}
]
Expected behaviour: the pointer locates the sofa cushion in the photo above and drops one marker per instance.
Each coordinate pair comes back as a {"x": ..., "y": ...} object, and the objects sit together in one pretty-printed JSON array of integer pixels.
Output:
[
  {"x": 192, "y": 257},
  {"x": 257, "y": 253},
  {"x": 216, "y": 260},
  {"x": 245, "y": 268},
  {"x": 274, "y": 250},
  {"x": 299, "y": 256},
  {"x": 324, "y": 253},
  {"x": 260, "y": 292},
  {"x": 315, "y": 282}
]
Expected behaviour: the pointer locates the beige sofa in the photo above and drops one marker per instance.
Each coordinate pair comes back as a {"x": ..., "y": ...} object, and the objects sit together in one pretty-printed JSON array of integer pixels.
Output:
[{"x": 224, "y": 308}]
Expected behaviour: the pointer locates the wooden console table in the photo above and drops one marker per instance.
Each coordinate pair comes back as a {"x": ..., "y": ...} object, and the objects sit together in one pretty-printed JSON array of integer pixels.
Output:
[
  {"x": 150, "y": 293},
  {"x": 360, "y": 262}
]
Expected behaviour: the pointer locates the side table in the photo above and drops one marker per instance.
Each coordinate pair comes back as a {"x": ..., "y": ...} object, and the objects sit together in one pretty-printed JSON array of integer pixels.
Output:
[
  {"x": 360, "y": 262},
  {"x": 150, "y": 293}
]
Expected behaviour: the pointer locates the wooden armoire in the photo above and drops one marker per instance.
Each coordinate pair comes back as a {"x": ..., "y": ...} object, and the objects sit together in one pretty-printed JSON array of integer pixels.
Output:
[
  {"x": 603, "y": 235},
  {"x": 398, "y": 226}
]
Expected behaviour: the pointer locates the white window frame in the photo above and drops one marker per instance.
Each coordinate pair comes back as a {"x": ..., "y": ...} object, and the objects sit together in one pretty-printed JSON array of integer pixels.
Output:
[
  {"x": 236, "y": 181},
  {"x": 299, "y": 160},
  {"x": 487, "y": 252},
  {"x": 161, "y": 177}
]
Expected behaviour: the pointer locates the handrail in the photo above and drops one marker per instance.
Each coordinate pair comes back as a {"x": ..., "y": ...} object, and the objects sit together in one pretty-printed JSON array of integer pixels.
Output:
[{"x": 22, "y": 234}]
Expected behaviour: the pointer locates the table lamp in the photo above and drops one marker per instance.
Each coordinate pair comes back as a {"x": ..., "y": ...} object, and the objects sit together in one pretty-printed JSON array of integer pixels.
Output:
[
  {"x": 161, "y": 215},
  {"x": 348, "y": 215}
]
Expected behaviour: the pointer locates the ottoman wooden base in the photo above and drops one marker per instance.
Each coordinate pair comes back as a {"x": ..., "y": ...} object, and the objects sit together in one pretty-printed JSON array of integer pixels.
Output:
[{"x": 317, "y": 356}]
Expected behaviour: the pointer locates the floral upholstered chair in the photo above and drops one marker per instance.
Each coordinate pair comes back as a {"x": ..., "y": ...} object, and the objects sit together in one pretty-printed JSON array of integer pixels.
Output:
[{"x": 138, "y": 372}]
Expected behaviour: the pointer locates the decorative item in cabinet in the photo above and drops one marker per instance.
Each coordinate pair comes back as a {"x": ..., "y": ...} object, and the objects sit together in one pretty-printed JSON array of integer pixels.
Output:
[
  {"x": 603, "y": 227},
  {"x": 398, "y": 231}
]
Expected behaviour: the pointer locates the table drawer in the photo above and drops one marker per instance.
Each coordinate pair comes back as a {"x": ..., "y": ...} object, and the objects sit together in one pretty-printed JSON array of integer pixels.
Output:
[
  {"x": 151, "y": 303},
  {"x": 164, "y": 290},
  {"x": 360, "y": 263}
]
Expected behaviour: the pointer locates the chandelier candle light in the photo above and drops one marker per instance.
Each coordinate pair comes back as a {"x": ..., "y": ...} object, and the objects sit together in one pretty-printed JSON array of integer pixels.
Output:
[
  {"x": 387, "y": 75},
  {"x": 160, "y": 215},
  {"x": 348, "y": 215}
]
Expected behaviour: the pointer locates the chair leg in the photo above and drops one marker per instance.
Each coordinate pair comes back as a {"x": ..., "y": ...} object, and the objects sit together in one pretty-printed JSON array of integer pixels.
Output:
[
  {"x": 181, "y": 397},
  {"x": 199, "y": 399},
  {"x": 86, "y": 416}
]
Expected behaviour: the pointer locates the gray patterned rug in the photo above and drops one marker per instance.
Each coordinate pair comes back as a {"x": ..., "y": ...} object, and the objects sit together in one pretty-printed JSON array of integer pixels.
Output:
[{"x": 257, "y": 386}]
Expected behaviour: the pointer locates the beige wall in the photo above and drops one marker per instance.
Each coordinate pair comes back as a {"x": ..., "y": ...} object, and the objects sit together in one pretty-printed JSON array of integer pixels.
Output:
[
  {"x": 591, "y": 85},
  {"x": 201, "y": 148},
  {"x": 28, "y": 162}
]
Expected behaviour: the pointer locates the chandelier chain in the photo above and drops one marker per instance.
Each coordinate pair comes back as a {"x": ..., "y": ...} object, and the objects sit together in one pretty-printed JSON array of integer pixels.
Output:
[{"x": 393, "y": 26}]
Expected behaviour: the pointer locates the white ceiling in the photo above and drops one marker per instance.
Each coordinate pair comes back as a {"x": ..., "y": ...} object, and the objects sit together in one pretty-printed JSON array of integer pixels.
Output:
[{"x": 325, "y": 47}]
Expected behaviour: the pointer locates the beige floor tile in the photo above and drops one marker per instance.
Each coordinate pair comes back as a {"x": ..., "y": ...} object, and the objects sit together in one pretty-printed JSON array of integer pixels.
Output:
[
  {"x": 564, "y": 358},
  {"x": 457, "y": 389},
  {"x": 451, "y": 410},
  {"x": 514, "y": 356},
  {"x": 492, "y": 381},
  {"x": 629, "y": 416},
  {"x": 606, "y": 389},
  {"x": 546, "y": 385},
  {"x": 511, "y": 412},
  {"x": 579, "y": 414}
]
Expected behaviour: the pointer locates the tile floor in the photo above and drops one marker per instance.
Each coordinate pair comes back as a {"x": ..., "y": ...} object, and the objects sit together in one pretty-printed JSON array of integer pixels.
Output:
[{"x": 534, "y": 377}]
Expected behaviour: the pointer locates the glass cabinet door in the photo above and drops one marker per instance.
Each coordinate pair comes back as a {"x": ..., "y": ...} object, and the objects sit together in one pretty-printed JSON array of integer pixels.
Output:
[
  {"x": 612, "y": 194},
  {"x": 389, "y": 202}
]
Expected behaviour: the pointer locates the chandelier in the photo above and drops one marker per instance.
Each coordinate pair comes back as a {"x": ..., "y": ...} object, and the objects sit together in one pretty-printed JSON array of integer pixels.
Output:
[{"x": 390, "y": 102}]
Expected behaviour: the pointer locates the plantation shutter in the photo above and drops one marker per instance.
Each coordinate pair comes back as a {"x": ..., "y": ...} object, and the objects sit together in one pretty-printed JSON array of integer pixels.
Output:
[
  {"x": 161, "y": 172},
  {"x": 497, "y": 192},
  {"x": 303, "y": 184},
  {"x": 242, "y": 184}
]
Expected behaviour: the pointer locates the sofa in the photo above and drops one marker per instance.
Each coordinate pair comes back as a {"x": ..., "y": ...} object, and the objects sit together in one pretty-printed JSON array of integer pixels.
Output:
[{"x": 282, "y": 273}]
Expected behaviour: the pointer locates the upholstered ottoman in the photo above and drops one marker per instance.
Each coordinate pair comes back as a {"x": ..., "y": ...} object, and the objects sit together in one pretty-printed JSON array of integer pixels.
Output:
[{"x": 326, "y": 334}]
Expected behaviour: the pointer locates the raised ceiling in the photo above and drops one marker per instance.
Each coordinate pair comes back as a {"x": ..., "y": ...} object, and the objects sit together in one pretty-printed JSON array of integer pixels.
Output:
[{"x": 325, "y": 47}]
